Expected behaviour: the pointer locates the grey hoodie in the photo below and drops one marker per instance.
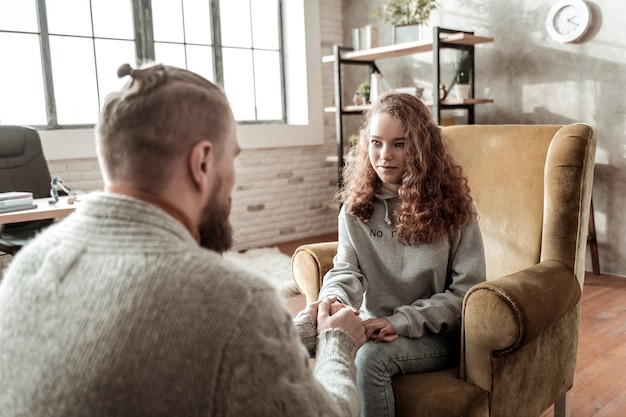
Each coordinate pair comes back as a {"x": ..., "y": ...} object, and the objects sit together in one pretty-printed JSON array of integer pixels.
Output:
[{"x": 417, "y": 288}]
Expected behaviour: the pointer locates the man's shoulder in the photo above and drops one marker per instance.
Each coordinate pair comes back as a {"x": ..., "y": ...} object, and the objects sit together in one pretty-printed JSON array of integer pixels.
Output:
[{"x": 205, "y": 265}]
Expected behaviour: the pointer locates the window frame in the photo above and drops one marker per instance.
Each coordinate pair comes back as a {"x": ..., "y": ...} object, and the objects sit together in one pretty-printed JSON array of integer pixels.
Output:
[
  {"x": 145, "y": 52},
  {"x": 303, "y": 95},
  {"x": 143, "y": 20}
]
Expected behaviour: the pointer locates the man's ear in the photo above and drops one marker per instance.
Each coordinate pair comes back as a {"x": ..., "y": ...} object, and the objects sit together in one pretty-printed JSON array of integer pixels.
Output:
[{"x": 201, "y": 163}]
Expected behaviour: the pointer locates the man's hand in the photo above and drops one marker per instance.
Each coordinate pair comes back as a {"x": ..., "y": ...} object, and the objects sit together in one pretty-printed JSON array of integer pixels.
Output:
[
  {"x": 381, "y": 330},
  {"x": 342, "y": 318}
]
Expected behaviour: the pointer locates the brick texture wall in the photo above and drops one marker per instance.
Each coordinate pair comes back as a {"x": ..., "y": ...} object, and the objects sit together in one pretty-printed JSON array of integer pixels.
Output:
[{"x": 281, "y": 194}]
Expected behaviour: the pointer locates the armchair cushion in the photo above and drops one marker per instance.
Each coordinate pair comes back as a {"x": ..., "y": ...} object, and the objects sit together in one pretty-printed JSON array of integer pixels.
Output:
[{"x": 441, "y": 394}]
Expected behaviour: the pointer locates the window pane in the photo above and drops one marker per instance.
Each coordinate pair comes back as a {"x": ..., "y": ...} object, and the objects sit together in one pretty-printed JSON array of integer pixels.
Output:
[
  {"x": 167, "y": 19},
  {"x": 112, "y": 19},
  {"x": 238, "y": 82},
  {"x": 22, "y": 98},
  {"x": 61, "y": 21},
  {"x": 235, "y": 23},
  {"x": 198, "y": 21},
  {"x": 268, "y": 85},
  {"x": 73, "y": 74},
  {"x": 110, "y": 54},
  {"x": 265, "y": 24},
  {"x": 19, "y": 15},
  {"x": 99, "y": 36},
  {"x": 170, "y": 54},
  {"x": 200, "y": 61}
]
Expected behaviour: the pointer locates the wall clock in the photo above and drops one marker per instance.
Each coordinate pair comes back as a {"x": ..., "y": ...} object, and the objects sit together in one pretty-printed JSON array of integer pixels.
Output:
[{"x": 568, "y": 20}]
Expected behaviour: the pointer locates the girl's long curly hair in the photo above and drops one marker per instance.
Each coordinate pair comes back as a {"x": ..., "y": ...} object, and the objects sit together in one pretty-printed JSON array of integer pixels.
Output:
[{"x": 434, "y": 195}]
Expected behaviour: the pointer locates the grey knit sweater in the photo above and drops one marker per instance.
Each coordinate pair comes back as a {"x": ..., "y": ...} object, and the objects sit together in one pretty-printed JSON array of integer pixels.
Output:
[
  {"x": 417, "y": 288},
  {"x": 116, "y": 311}
]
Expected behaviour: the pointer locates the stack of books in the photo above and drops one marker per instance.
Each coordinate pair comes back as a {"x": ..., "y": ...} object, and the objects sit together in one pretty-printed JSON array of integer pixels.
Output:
[{"x": 16, "y": 200}]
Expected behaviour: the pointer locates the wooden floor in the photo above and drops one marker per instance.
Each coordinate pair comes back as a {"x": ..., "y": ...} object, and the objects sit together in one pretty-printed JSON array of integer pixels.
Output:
[{"x": 600, "y": 383}]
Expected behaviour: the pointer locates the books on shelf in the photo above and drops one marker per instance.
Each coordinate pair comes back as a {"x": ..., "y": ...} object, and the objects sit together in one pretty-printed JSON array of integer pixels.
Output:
[
  {"x": 16, "y": 200},
  {"x": 12, "y": 195},
  {"x": 18, "y": 208}
]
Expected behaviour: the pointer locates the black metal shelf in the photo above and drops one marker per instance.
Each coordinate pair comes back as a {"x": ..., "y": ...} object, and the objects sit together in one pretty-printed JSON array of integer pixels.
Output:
[{"x": 442, "y": 39}]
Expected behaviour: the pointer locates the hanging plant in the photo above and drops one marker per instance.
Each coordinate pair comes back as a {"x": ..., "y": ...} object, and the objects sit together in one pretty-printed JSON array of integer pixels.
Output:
[
  {"x": 463, "y": 67},
  {"x": 405, "y": 12}
]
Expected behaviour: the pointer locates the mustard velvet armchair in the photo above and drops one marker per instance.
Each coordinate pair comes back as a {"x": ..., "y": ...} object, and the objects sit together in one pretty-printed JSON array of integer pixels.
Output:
[{"x": 531, "y": 185}]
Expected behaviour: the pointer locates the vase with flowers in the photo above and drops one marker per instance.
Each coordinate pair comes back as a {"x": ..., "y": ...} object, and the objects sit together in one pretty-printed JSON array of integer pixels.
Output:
[{"x": 406, "y": 17}]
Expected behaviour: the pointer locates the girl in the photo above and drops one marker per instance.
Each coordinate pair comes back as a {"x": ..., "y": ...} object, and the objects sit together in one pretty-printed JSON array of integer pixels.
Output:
[{"x": 409, "y": 247}]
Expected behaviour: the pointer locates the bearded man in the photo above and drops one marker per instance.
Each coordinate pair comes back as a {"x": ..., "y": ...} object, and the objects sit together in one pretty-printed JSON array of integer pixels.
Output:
[{"x": 126, "y": 307}]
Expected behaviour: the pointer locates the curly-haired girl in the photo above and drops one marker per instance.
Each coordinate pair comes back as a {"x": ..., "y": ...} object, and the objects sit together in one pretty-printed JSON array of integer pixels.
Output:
[{"x": 409, "y": 247}]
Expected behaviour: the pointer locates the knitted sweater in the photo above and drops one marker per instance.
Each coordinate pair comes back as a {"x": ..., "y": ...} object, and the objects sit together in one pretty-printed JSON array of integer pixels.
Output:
[
  {"x": 417, "y": 288},
  {"x": 116, "y": 311}
]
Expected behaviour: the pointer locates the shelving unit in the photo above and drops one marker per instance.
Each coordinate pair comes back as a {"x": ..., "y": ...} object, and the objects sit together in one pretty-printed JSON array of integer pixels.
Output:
[{"x": 442, "y": 38}]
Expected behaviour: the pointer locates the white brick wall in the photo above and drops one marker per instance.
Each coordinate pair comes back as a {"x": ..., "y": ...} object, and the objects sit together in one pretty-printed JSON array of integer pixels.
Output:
[
  {"x": 79, "y": 174},
  {"x": 281, "y": 194}
]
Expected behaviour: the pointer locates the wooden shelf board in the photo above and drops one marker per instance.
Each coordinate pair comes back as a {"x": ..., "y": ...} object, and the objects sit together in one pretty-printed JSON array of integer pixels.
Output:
[
  {"x": 348, "y": 109},
  {"x": 463, "y": 101},
  {"x": 408, "y": 48},
  {"x": 444, "y": 103}
]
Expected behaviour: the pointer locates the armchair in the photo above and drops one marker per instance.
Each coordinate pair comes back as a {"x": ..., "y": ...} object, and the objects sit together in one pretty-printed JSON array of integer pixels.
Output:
[{"x": 531, "y": 185}]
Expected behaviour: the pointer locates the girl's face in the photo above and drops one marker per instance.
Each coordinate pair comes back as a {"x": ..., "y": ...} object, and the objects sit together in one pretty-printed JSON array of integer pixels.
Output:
[{"x": 386, "y": 149}]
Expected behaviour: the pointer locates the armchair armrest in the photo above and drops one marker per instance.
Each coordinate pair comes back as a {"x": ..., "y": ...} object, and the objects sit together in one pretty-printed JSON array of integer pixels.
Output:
[
  {"x": 309, "y": 264},
  {"x": 504, "y": 315}
]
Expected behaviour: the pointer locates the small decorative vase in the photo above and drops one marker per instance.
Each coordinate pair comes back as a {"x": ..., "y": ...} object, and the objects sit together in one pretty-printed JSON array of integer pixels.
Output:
[
  {"x": 376, "y": 86},
  {"x": 443, "y": 93},
  {"x": 407, "y": 33},
  {"x": 461, "y": 91}
]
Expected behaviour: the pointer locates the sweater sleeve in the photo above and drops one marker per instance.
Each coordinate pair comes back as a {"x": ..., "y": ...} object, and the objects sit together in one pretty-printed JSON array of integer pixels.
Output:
[
  {"x": 345, "y": 280},
  {"x": 306, "y": 330},
  {"x": 266, "y": 370},
  {"x": 442, "y": 311}
]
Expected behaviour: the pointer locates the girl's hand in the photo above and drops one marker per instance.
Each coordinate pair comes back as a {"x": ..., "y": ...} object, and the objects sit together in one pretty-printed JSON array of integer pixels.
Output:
[
  {"x": 344, "y": 318},
  {"x": 381, "y": 330},
  {"x": 335, "y": 306},
  {"x": 311, "y": 309}
]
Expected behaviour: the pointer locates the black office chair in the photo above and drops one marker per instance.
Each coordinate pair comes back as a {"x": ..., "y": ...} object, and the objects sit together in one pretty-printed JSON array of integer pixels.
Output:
[{"x": 23, "y": 167}]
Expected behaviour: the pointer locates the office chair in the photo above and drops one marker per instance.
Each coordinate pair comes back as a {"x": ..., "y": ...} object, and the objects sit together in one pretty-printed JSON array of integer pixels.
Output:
[{"x": 23, "y": 167}]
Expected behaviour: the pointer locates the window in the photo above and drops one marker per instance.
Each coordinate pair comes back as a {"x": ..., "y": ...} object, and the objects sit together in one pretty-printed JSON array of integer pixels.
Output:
[{"x": 63, "y": 64}]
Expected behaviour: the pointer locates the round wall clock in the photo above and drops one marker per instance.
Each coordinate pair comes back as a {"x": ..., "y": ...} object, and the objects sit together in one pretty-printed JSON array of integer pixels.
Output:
[{"x": 568, "y": 20}]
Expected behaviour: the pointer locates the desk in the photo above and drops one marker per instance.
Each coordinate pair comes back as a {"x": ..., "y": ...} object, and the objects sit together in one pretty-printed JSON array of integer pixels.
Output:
[{"x": 44, "y": 210}]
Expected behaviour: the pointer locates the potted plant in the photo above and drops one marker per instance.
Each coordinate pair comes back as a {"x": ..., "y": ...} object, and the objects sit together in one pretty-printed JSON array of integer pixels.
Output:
[
  {"x": 405, "y": 15},
  {"x": 364, "y": 91},
  {"x": 353, "y": 139}
]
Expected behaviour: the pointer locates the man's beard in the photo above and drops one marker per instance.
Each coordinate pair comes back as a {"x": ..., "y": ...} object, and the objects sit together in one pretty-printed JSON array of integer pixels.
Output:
[{"x": 216, "y": 232}]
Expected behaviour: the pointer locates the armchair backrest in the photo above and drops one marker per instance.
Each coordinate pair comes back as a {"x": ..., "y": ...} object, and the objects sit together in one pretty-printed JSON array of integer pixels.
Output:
[
  {"x": 23, "y": 166},
  {"x": 531, "y": 186}
]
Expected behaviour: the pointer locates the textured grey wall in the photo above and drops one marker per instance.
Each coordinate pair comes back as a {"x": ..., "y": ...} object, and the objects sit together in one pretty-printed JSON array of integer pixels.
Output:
[{"x": 534, "y": 80}]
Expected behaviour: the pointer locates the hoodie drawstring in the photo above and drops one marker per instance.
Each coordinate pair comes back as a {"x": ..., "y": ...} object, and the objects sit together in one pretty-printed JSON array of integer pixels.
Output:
[{"x": 387, "y": 219}]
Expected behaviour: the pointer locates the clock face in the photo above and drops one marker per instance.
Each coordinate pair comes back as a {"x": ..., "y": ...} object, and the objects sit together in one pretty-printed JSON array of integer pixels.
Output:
[{"x": 568, "y": 20}]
